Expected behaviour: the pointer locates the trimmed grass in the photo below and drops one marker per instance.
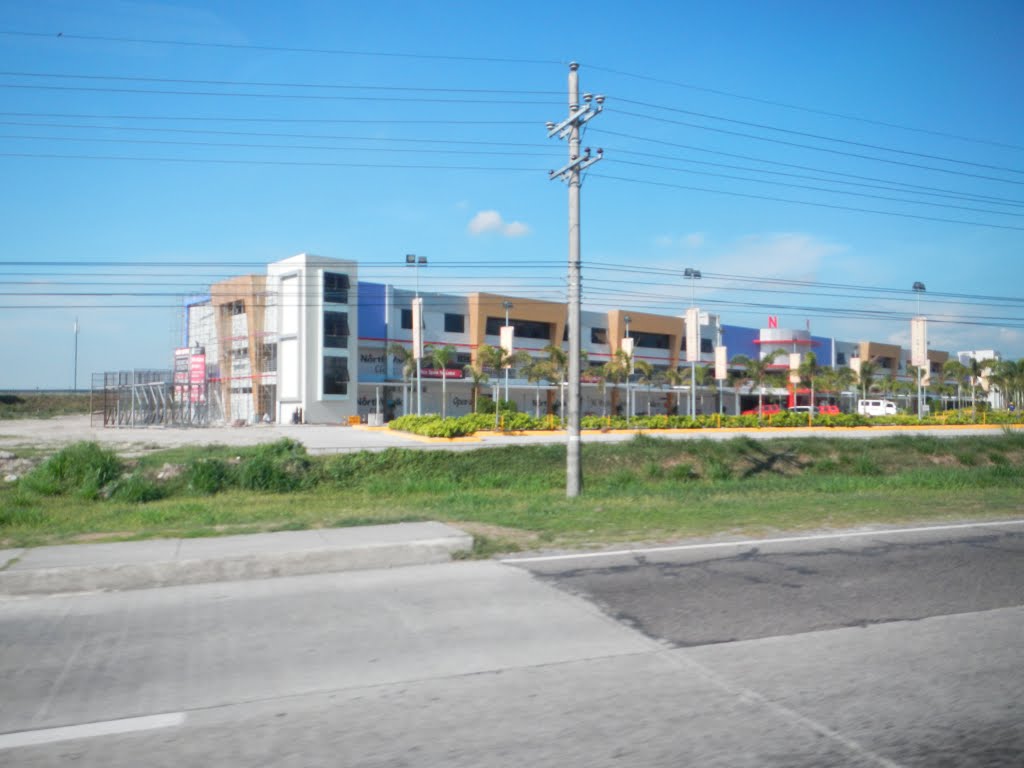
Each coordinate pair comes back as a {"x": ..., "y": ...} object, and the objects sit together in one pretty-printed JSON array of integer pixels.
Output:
[{"x": 513, "y": 498}]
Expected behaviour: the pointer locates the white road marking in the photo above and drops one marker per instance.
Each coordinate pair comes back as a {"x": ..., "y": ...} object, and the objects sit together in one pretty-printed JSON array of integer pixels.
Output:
[
  {"x": 90, "y": 730},
  {"x": 758, "y": 542}
]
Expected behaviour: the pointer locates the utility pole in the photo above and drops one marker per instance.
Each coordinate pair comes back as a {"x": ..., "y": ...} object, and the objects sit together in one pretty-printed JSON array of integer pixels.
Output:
[{"x": 569, "y": 128}]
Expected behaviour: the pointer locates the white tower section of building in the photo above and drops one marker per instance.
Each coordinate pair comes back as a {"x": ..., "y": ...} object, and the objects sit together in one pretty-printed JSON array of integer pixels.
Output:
[{"x": 317, "y": 325}]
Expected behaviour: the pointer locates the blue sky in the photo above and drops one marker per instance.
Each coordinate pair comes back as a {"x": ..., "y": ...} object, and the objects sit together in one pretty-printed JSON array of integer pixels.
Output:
[{"x": 273, "y": 130}]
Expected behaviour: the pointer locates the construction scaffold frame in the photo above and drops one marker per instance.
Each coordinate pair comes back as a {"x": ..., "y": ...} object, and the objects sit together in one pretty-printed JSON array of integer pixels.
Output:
[{"x": 146, "y": 398}]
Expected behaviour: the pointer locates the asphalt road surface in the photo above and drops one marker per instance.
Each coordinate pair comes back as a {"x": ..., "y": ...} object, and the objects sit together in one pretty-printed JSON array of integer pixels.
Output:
[{"x": 887, "y": 649}]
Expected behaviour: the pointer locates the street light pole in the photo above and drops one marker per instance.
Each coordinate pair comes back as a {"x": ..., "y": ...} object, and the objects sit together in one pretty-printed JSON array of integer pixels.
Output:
[
  {"x": 411, "y": 260},
  {"x": 629, "y": 371},
  {"x": 507, "y": 305},
  {"x": 75, "y": 374},
  {"x": 919, "y": 288},
  {"x": 694, "y": 355}
]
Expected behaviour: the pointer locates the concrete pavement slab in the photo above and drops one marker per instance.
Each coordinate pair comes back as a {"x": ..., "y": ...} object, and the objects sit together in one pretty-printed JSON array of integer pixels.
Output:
[{"x": 165, "y": 562}]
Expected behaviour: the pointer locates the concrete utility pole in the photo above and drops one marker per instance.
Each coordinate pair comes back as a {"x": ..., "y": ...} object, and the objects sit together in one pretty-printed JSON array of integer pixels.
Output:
[{"x": 570, "y": 173}]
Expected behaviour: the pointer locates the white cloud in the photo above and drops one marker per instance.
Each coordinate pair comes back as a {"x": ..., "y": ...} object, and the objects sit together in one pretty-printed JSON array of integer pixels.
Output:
[
  {"x": 692, "y": 240},
  {"x": 491, "y": 221}
]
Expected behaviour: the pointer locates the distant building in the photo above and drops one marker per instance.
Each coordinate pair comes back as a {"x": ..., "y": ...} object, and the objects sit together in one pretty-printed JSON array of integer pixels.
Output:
[{"x": 309, "y": 341}]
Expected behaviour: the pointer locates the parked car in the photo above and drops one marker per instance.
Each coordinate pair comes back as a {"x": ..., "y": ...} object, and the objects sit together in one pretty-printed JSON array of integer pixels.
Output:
[
  {"x": 767, "y": 410},
  {"x": 876, "y": 408},
  {"x": 802, "y": 409},
  {"x": 829, "y": 410}
]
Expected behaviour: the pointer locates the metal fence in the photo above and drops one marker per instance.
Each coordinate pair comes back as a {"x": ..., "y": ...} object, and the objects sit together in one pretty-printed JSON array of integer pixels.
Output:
[{"x": 143, "y": 398}]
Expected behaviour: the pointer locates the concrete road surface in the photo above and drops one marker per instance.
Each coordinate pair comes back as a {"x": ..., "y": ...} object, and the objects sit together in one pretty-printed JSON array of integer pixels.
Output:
[{"x": 824, "y": 652}]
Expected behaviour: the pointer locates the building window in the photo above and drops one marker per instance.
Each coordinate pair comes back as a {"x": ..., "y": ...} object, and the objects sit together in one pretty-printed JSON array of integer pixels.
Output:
[
  {"x": 524, "y": 329},
  {"x": 235, "y": 307},
  {"x": 452, "y": 323},
  {"x": 335, "y": 375},
  {"x": 407, "y": 319},
  {"x": 651, "y": 340},
  {"x": 840, "y": 358},
  {"x": 598, "y": 335},
  {"x": 706, "y": 346},
  {"x": 335, "y": 288},
  {"x": 336, "y": 329}
]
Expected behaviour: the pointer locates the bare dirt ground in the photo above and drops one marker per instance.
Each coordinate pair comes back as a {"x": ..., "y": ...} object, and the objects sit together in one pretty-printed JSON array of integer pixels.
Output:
[{"x": 47, "y": 435}]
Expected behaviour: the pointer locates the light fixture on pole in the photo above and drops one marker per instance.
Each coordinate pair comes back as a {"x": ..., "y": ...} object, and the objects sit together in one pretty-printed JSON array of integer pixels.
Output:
[
  {"x": 693, "y": 337},
  {"x": 414, "y": 261},
  {"x": 506, "y": 342},
  {"x": 919, "y": 345},
  {"x": 627, "y": 347}
]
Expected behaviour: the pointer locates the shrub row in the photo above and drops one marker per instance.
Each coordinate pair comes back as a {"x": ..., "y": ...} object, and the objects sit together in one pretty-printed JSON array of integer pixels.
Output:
[{"x": 435, "y": 426}]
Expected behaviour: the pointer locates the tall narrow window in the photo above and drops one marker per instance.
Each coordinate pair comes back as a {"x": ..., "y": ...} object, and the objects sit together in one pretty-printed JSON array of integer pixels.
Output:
[
  {"x": 336, "y": 287},
  {"x": 335, "y": 375},
  {"x": 336, "y": 329}
]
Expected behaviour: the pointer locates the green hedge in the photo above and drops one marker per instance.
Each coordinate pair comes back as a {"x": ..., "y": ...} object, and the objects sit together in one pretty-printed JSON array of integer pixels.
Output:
[{"x": 435, "y": 426}]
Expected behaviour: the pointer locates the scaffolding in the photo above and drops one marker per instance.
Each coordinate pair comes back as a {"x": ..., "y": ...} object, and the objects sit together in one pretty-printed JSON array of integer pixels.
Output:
[{"x": 146, "y": 398}]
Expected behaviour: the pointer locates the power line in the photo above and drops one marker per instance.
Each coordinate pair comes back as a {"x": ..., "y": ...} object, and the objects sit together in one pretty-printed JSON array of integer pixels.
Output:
[
  {"x": 277, "y": 84},
  {"x": 229, "y": 119},
  {"x": 765, "y": 126},
  {"x": 808, "y": 202},
  {"x": 222, "y": 161},
  {"x": 818, "y": 189},
  {"x": 829, "y": 150},
  {"x": 810, "y": 110},
  {"x": 279, "y": 49},
  {"x": 290, "y": 96},
  {"x": 781, "y": 164}
]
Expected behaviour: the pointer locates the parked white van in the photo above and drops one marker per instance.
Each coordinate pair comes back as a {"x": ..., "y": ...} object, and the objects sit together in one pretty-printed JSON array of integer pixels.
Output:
[{"x": 876, "y": 407}]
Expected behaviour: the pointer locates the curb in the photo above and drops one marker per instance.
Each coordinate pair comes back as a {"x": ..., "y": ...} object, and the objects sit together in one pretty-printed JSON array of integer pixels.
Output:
[{"x": 118, "y": 567}]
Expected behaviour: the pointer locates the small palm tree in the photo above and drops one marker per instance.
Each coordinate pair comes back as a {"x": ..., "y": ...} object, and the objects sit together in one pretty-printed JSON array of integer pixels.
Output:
[
  {"x": 956, "y": 372},
  {"x": 615, "y": 371},
  {"x": 479, "y": 377},
  {"x": 645, "y": 375},
  {"x": 810, "y": 371},
  {"x": 408, "y": 363},
  {"x": 757, "y": 372},
  {"x": 674, "y": 377},
  {"x": 442, "y": 357}
]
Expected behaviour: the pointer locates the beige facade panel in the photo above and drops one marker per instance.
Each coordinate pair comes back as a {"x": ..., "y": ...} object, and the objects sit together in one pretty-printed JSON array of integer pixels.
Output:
[
  {"x": 643, "y": 322},
  {"x": 484, "y": 305}
]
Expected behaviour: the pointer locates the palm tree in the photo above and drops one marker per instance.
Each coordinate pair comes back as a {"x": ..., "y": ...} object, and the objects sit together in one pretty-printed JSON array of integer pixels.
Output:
[
  {"x": 866, "y": 378},
  {"x": 645, "y": 375},
  {"x": 558, "y": 373},
  {"x": 977, "y": 370},
  {"x": 536, "y": 371},
  {"x": 496, "y": 358},
  {"x": 479, "y": 376},
  {"x": 809, "y": 372},
  {"x": 1008, "y": 377},
  {"x": 674, "y": 377},
  {"x": 956, "y": 372},
  {"x": 757, "y": 372},
  {"x": 597, "y": 372},
  {"x": 408, "y": 362},
  {"x": 616, "y": 370},
  {"x": 442, "y": 357}
]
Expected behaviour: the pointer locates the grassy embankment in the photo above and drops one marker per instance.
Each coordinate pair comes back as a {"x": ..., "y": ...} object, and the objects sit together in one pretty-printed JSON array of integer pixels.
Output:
[
  {"x": 42, "y": 405},
  {"x": 514, "y": 498}
]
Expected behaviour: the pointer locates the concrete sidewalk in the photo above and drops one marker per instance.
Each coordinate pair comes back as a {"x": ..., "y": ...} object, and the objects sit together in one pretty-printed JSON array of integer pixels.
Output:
[{"x": 166, "y": 562}]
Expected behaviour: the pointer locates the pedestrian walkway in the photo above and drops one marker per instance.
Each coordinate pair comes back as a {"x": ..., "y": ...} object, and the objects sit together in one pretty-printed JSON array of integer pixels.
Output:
[{"x": 167, "y": 562}]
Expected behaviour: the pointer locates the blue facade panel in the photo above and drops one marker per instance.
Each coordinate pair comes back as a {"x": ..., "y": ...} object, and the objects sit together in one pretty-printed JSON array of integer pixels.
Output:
[
  {"x": 739, "y": 340},
  {"x": 373, "y": 311}
]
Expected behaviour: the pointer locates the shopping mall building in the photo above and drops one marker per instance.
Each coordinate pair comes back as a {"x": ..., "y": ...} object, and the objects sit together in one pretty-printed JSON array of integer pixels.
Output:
[{"x": 308, "y": 341}]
